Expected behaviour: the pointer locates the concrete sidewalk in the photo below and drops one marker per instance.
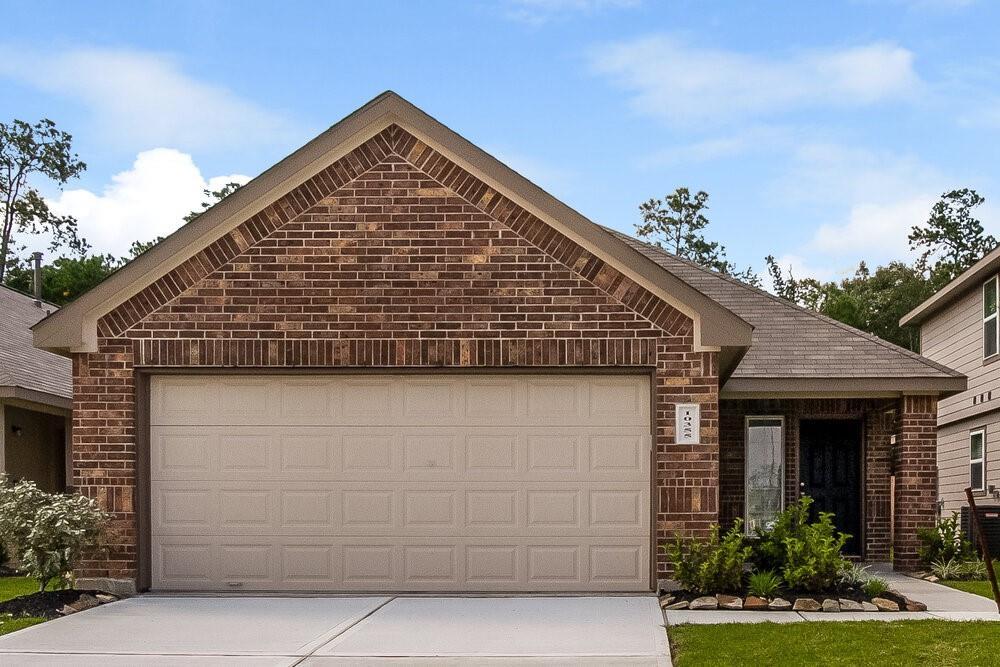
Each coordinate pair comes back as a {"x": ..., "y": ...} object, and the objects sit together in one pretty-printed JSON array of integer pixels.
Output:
[{"x": 942, "y": 602}]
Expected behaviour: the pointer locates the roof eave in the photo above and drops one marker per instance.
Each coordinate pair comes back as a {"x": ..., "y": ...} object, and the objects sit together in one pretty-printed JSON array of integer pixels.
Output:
[
  {"x": 953, "y": 290},
  {"x": 837, "y": 387},
  {"x": 35, "y": 396}
]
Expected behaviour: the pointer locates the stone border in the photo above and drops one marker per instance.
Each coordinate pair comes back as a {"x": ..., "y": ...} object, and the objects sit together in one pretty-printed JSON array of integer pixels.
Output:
[{"x": 752, "y": 603}]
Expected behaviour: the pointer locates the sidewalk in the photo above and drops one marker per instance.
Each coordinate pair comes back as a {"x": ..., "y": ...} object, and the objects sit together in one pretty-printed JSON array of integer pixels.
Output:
[{"x": 943, "y": 603}]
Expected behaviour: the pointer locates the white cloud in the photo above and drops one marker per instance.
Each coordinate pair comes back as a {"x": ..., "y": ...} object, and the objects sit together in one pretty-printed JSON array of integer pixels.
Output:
[
  {"x": 138, "y": 98},
  {"x": 749, "y": 139},
  {"x": 874, "y": 230},
  {"x": 537, "y": 12},
  {"x": 146, "y": 201},
  {"x": 801, "y": 268},
  {"x": 687, "y": 84}
]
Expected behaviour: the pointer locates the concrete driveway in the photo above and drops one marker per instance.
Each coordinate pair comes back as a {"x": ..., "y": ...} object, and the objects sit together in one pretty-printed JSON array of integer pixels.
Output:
[{"x": 320, "y": 631}]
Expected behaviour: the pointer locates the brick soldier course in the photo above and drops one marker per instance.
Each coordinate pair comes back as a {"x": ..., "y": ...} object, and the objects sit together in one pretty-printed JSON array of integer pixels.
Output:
[{"x": 395, "y": 256}]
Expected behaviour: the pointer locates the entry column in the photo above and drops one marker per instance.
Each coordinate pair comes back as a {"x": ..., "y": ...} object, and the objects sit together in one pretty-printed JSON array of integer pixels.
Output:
[{"x": 916, "y": 476}]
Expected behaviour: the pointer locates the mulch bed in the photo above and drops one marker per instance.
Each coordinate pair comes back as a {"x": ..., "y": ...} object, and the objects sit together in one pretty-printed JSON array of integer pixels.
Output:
[{"x": 45, "y": 604}]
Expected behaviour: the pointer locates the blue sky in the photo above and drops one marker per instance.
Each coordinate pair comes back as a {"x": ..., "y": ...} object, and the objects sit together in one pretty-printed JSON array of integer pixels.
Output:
[{"x": 822, "y": 131}]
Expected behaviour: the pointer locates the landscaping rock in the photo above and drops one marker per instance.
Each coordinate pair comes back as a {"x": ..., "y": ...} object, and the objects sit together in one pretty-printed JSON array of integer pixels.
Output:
[
  {"x": 121, "y": 588},
  {"x": 779, "y": 604},
  {"x": 85, "y": 601},
  {"x": 730, "y": 602},
  {"x": 66, "y": 610},
  {"x": 707, "y": 602},
  {"x": 806, "y": 604},
  {"x": 665, "y": 600},
  {"x": 885, "y": 605},
  {"x": 676, "y": 605},
  {"x": 913, "y": 605},
  {"x": 850, "y": 605},
  {"x": 868, "y": 606},
  {"x": 754, "y": 603},
  {"x": 831, "y": 605},
  {"x": 932, "y": 579},
  {"x": 104, "y": 598}
]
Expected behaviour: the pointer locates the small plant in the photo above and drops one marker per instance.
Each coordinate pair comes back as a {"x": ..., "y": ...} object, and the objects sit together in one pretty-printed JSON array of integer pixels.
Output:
[
  {"x": 47, "y": 532},
  {"x": 812, "y": 559},
  {"x": 875, "y": 587},
  {"x": 853, "y": 575},
  {"x": 711, "y": 565},
  {"x": 947, "y": 569},
  {"x": 972, "y": 570},
  {"x": 764, "y": 584},
  {"x": 944, "y": 542}
]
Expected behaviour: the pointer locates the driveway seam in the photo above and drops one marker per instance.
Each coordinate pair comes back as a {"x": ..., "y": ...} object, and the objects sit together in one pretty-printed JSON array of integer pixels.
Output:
[{"x": 342, "y": 631}]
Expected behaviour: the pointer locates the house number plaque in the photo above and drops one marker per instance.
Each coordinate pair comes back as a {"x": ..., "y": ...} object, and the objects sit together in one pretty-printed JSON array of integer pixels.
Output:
[{"x": 688, "y": 424}]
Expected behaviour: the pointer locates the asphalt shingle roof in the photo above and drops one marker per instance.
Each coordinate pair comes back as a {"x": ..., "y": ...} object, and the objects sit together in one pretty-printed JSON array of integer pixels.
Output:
[
  {"x": 789, "y": 341},
  {"x": 21, "y": 364}
]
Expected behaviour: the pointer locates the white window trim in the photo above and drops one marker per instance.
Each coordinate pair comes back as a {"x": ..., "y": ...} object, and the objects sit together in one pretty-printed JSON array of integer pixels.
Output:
[
  {"x": 746, "y": 466},
  {"x": 996, "y": 314},
  {"x": 982, "y": 458}
]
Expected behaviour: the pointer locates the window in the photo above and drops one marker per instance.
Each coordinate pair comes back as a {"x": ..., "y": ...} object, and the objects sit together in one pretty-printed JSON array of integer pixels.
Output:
[
  {"x": 765, "y": 470},
  {"x": 991, "y": 342},
  {"x": 977, "y": 460}
]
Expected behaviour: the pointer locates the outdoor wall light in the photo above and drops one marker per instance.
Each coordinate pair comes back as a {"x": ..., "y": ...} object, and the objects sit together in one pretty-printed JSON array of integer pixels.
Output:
[{"x": 16, "y": 430}]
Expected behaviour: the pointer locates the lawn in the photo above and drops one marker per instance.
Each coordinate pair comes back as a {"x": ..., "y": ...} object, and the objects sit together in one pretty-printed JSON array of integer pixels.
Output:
[
  {"x": 12, "y": 587},
  {"x": 977, "y": 587},
  {"x": 836, "y": 643}
]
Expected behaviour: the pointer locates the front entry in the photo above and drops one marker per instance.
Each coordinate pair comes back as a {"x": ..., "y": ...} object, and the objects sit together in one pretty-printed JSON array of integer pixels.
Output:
[{"x": 830, "y": 472}]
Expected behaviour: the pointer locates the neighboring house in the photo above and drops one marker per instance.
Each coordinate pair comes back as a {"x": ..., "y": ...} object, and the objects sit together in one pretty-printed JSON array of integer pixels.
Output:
[
  {"x": 392, "y": 363},
  {"x": 36, "y": 391},
  {"x": 958, "y": 327}
]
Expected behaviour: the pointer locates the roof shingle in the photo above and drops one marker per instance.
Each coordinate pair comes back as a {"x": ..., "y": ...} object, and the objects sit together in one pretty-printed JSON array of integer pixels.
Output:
[{"x": 22, "y": 365}]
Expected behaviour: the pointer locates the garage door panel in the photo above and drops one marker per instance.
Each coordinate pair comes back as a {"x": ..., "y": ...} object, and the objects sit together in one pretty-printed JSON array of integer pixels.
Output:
[{"x": 487, "y": 482}]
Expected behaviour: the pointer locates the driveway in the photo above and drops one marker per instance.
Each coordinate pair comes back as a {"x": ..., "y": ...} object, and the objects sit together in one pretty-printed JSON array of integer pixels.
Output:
[{"x": 320, "y": 631}]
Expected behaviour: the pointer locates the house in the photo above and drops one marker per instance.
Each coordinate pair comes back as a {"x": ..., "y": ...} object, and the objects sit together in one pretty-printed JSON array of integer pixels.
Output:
[
  {"x": 392, "y": 363},
  {"x": 958, "y": 327},
  {"x": 36, "y": 394}
]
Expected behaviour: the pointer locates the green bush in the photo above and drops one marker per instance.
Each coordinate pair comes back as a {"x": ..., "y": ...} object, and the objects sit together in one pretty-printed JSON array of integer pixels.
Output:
[
  {"x": 875, "y": 587},
  {"x": 853, "y": 575},
  {"x": 947, "y": 569},
  {"x": 769, "y": 549},
  {"x": 944, "y": 542},
  {"x": 812, "y": 558},
  {"x": 711, "y": 565},
  {"x": 47, "y": 532},
  {"x": 764, "y": 584}
]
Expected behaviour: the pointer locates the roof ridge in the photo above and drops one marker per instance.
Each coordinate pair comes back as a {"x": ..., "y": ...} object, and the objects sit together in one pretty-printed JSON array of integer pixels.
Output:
[
  {"x": 791, "y": 304},
  {"x": 25, "y": 294}
]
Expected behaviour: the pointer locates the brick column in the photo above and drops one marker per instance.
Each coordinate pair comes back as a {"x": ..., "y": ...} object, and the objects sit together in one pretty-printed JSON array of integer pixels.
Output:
[{"x": 916, "y": 476}]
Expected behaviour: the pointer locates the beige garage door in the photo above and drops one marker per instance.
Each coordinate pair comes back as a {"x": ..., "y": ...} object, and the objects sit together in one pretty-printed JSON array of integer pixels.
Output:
[{"x": 400, "y": 482}]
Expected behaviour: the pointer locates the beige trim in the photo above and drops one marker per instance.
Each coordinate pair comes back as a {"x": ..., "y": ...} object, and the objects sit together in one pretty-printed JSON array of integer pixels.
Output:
[
  {"x": 38, "y": 400},
  {"x": 74, "y": 327},
  {"x": 872, "y": 387},
  {"x": 953, "y": 290}
]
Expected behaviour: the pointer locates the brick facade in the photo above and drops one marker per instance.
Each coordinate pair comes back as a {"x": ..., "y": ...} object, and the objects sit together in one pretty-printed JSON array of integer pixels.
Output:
[
  {"x": 393, "y": 257},
  {"x": 910, "y": 420}
]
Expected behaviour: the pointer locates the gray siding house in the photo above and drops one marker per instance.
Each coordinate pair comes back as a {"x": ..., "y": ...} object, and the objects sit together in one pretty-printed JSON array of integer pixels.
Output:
[{"x": 959, "y": 327}]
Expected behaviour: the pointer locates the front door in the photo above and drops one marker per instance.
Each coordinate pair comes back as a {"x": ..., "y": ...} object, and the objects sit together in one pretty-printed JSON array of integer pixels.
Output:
[{"x": 830, "y": 472}]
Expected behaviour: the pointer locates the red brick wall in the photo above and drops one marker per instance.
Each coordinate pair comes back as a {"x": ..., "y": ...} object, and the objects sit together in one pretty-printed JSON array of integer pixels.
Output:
[
  {"x": 916, "y": 475},
  {"x": 878, "y": 416},
  {"x": 393, "y": 257}
]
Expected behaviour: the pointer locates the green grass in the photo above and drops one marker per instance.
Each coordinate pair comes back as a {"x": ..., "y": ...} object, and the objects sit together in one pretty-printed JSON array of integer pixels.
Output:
[
  {"x": 12, "y": 587},
  {"x": 8, "y": 625},
  {"x": 848, "y": 643},
  {"x": 977, "y": 587}
]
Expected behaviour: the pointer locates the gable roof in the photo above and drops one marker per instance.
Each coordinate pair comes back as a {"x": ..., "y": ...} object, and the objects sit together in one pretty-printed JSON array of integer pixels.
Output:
[
  {"x": 796, "y": 349},
  {"x": 26, "y": 372},
  {"x": 961, "y": 284},
  {"x": 74, "y": 328}
]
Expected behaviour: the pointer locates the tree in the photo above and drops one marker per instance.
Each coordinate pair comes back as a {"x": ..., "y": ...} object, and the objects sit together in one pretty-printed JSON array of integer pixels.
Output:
[
  {"x": 214, "y": 197},
  {"x": 675, "y": 223},
  {"x": 26, "y": 152},
  {"x": 65, "y": 278},
  {"x": 952, "y": 239}
]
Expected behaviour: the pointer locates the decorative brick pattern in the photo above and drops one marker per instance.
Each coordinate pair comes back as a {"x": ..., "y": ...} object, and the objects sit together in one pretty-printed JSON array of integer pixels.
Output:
[{"x": 392, "y": 258}]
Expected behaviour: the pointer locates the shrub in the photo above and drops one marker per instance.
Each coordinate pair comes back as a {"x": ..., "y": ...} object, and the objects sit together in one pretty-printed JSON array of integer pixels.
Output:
[
  {"x": 853, "y": 575},
  {"x": 972, "y": 569},
  {"x": 769, "y": 550},
  {"x": 812, "y": 558},
  {"x": 47, "y": 532},
  {"x": 764, "y": 584},
  {"x": 712, "y": 565},
  {"x": 944, "y": 542},
  {"x": 875, "y": 587},
  {"x": 947, "y": 569}
]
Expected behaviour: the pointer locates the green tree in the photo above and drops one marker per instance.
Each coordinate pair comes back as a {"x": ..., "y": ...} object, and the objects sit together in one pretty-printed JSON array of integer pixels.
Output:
[
  {"x": 65, "y": 278},
  {"x": 952, "y": 239},
  {"x": 675, "y": 223},
  {"x": 28, "y": 152}
]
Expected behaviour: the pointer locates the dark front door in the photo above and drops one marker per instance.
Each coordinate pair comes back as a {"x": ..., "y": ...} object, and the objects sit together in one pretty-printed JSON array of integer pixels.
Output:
[{"x": 830, "y": 472}]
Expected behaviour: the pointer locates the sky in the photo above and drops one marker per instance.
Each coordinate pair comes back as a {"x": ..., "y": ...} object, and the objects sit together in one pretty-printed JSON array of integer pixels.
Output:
[{"x": 822, "y": 131}]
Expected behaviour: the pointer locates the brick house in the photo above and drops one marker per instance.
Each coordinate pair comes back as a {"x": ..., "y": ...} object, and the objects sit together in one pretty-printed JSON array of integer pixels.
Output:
[{"x": 392, "y": 363}]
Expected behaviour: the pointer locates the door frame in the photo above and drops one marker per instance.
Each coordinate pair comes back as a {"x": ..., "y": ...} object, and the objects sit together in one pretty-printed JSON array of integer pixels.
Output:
[
  {"x": 861, "y": 419},
  {"x": 143, "y": 471}
]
